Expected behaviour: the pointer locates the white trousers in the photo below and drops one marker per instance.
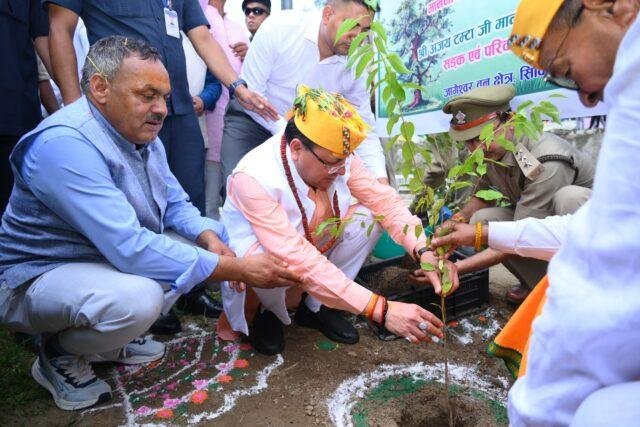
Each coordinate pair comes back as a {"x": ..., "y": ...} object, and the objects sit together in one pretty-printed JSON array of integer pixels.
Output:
[
  {"x": 348, "y": 254},
  {"x": 92, "y": 307}
]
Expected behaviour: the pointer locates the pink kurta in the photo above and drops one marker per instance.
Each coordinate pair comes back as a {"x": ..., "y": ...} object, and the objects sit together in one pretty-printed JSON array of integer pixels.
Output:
[
  {"x": 278, "y": 236},
  {"x": 226, "y": 32}
]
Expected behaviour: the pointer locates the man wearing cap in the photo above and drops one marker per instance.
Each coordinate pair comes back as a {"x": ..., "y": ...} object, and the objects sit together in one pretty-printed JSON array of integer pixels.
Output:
[
  {"x": 278, "y": 195},
  {"x": 541, "y": 178},
  {"x": 292, "y": 48},
  {"x": 583, "y": 353},
  {"x": 255, "y": 13}
]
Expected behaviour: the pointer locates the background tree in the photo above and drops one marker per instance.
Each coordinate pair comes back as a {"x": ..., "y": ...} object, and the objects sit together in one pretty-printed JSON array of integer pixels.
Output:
[{"x": 408, "y": 30}]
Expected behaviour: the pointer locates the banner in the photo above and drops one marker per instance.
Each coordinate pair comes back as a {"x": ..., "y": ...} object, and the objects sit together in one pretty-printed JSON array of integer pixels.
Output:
[{"x": 453, "y": 46}]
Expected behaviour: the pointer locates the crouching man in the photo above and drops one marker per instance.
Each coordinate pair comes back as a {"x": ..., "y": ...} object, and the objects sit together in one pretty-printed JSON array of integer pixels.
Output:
[
  {"x": 278, "y": 195},
  {"x": 84, "y": 262}
]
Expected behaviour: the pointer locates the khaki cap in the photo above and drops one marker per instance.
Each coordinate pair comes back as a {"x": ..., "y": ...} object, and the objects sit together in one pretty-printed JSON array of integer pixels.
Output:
[{"x": 473, "y": 110}]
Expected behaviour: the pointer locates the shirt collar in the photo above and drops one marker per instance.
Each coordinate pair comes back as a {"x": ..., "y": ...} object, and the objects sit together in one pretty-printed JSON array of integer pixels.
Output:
[{"x": 121, "y": 142}]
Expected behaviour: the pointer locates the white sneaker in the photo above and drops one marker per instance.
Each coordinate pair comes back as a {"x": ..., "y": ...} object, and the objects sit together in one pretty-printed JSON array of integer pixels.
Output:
[
  {"x": 71, "y": 381},
  {"x": 140, "y": 350}
]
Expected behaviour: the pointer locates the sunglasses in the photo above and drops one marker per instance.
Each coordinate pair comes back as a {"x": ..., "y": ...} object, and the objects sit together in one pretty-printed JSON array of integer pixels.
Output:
[{"x": 257, "y": 11}]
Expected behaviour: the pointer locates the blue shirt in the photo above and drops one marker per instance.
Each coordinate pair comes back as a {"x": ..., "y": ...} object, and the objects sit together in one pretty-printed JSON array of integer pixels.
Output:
[
  {"x": 74, "y": 181},
  {"x": 144, "y": 19},
  {"x": 21, "y": 21},
  {"x": 211, "y": 91}
]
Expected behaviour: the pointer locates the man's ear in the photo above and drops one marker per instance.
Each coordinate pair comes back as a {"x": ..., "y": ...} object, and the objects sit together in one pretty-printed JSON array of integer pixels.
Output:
[
  {"x": 599, "y": 5},
  {"x": 327, "y": 11},
  {"x": 99, "y": 88},
  {"x": 295, "y": 145},
  {"x": 624, "y": 11}
]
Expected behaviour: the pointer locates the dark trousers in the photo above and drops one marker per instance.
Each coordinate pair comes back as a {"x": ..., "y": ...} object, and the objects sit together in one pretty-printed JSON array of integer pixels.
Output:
[
  {"x": 241, "y": 134},
  {"x": 184, "y": 145},
  {"x": 7, "y": 142}
]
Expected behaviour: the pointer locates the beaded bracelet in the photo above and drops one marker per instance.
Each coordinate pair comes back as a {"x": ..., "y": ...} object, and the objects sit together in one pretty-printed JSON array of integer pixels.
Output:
[{"x": 478, "y": 242}]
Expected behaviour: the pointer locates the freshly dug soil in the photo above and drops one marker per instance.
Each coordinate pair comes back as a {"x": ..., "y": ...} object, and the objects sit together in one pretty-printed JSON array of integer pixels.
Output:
[{"x": 428, "y": 408}]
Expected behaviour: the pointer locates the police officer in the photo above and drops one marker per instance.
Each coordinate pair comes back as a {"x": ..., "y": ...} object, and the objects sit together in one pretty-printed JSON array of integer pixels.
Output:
[{"x": 541, "y": 178}]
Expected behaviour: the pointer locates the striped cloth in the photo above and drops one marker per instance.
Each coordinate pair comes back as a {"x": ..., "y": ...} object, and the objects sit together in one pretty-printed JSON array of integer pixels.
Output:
[{"x": 512, "y": 343}]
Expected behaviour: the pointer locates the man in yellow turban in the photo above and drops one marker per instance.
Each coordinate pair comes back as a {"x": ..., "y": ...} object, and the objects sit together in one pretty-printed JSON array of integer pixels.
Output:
[
  {"x": 278, "y": 195},
  {"x": 583, "y": 366}
]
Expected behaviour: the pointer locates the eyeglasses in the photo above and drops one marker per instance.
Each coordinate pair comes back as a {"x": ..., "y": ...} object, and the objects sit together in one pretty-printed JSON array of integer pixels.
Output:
[
  {"x": 255, "y": 10},
  {"x": 563, "y": 82},
  {"x": 331, "y": 168}
]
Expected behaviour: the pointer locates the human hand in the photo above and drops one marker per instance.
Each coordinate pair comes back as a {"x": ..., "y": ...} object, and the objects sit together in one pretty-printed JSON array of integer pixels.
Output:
[
  {"x": 460, "y": 234},
  {"x": 239, "y": 49},
  {"x": 267, "y": 271},
  {"x": 210, "y": 241},
  {"x": 405, "y": 320},
  {"x": 430, "y": 270},
  {"x": 256, "y": 103},
  {"x": 198, "y": 105}
]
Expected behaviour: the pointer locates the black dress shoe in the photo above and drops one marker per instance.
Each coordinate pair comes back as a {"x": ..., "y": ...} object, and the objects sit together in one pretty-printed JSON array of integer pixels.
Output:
[
  {"x": 266, "y": 334},
  {"x": 166, "y": 324},
  {"x": 328, "y": 321},
  {"x": 198, "y": 302}
]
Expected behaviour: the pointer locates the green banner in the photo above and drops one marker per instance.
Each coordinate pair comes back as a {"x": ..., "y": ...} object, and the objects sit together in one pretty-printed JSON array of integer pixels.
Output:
[{"x": 453, "y": 46}]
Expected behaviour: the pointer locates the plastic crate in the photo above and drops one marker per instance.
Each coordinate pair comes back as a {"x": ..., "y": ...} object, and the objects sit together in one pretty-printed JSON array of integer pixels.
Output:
[{"x": 471, "y": 296}]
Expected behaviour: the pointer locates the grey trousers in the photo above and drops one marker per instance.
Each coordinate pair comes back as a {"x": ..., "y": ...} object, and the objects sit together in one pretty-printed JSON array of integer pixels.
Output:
[
  {"x": 214, "y": 185},
  {"x": 93, "y": 308},
  {"x": 241, "y": 134}
]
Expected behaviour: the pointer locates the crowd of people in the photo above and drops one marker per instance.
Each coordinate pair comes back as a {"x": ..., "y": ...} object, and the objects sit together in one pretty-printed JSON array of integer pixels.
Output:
[{"x": 178, "y": 153}]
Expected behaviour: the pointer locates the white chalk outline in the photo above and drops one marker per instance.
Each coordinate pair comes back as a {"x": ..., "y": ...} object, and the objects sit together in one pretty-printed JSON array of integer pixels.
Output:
[
  {"x": 349, "y": 392},
  {"x": 230, "y": 399}
]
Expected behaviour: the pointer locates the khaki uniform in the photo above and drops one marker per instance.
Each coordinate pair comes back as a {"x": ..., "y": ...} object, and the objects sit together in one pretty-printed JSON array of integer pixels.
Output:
[{"x": 542, "y": 178}]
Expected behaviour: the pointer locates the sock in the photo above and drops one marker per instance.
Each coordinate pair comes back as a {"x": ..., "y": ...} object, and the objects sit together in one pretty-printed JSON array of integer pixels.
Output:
[
  {"x": 312, "y": 304},
  {"x": 52, "y": 348}
]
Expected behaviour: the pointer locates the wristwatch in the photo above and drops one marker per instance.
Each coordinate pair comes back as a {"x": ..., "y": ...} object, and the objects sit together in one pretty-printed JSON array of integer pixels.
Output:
[
  {"x": 419, "y": 252},
  {"x": 233, "y": 86}
]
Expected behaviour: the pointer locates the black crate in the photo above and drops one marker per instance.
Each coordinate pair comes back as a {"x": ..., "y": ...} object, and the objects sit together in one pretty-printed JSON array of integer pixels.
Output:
[{"x": 472, "y": 294}]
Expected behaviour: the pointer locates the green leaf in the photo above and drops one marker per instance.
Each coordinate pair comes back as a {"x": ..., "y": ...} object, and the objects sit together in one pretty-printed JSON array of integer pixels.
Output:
[
  {"x": 370, "y": 229},
  {"x": 524, "y": 105},
  {"x": 391, "y": 142},
  {"x": 489, "y": 195},
  {"x": 397, "y": 64},
  {"x": 418, "y": 231},
  {"x": 506, "y": 144},
  {"x": 370, "y": 78},
  {"x": 447, "y": 283},
  {"x": 386, "y": 93},
  {"x": 376, "y": 27},
  {"x": 356, "y": 43},
  {"x": 391, "y": 106},
  {"x": 460, "y": 184},
  {"x": 408, "y": 130},
  {"x": 427, "y": 266},
  {"x": 405, "y": 229},
  {"x": 440, "y": 264},
  {"x": 391, "y": 122},
  {"x": 346, "y": 26},
  {"x": 382, "y": 48},
  {"x": 557, "y": 95},
  {"x": 363, "y": 63}
]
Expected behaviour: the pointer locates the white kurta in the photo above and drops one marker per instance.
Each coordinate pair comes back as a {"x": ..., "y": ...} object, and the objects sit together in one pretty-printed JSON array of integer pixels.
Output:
[
  {"x": 283, "y": 54},
  {"x": 588, "y": 335}
]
